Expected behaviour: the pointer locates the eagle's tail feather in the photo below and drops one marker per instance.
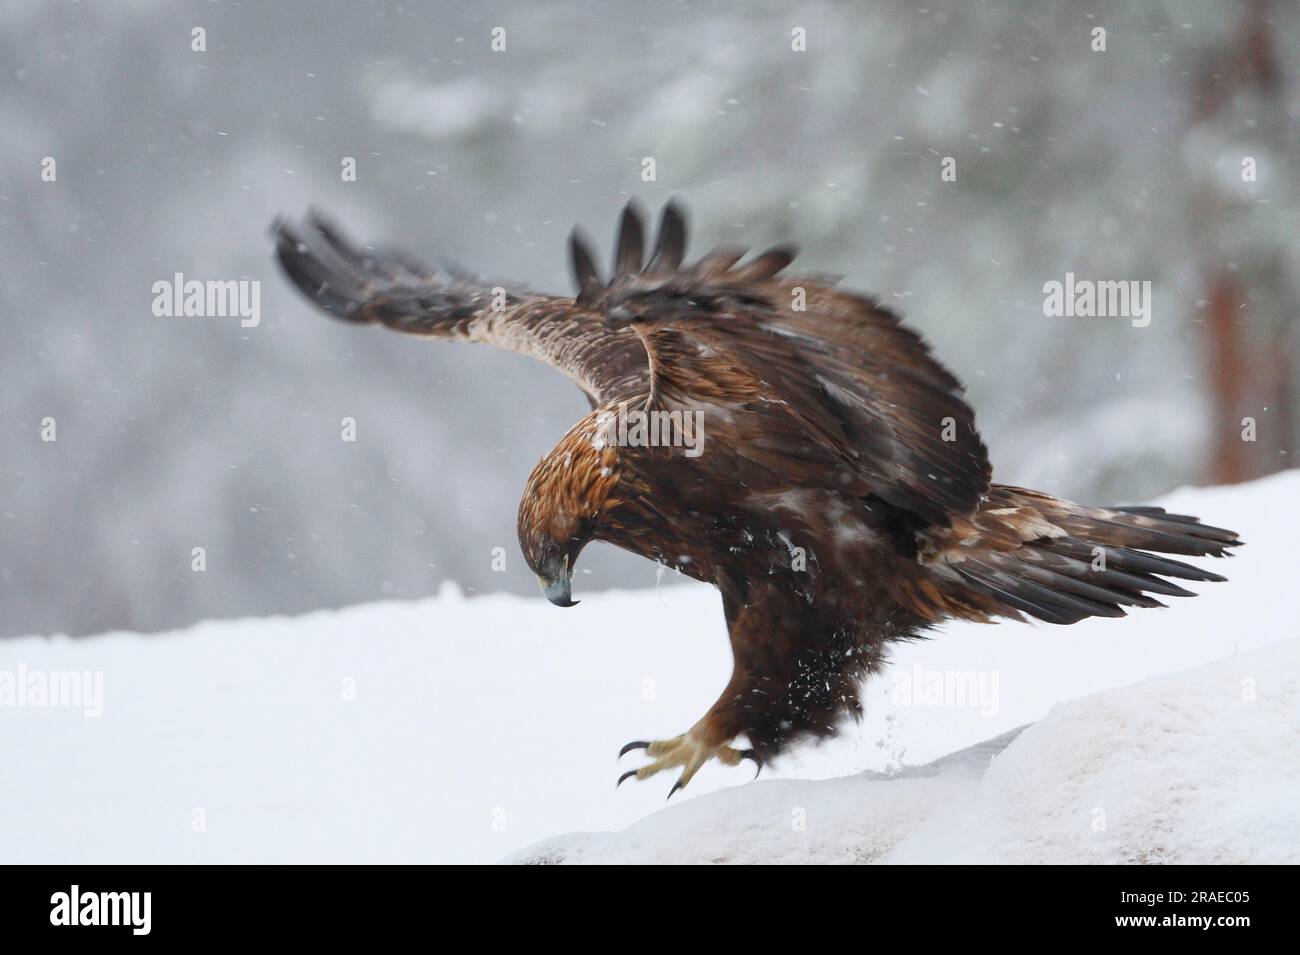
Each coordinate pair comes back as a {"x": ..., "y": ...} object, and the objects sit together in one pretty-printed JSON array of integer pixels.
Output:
[{"x": 1029, "y": 553}]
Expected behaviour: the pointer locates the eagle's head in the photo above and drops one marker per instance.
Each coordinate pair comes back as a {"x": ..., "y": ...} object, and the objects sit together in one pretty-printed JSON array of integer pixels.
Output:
[{"x": 563, "y": 504}]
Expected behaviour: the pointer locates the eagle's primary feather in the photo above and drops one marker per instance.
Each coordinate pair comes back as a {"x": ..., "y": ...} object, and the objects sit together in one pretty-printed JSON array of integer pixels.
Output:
[{"x": 841, "y": 498}]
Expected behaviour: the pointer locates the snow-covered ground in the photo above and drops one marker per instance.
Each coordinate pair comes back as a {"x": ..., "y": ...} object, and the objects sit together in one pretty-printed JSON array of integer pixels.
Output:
[
  {"x": 466, "y": 730},
  {"x": 1201, "y": 766}
]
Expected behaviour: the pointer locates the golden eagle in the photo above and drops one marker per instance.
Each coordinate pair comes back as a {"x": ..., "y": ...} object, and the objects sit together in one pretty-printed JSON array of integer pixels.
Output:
[{"x": 841, "y": 499}]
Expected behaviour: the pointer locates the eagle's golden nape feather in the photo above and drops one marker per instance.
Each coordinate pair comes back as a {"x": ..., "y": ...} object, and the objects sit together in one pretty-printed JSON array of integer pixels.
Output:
[{"x": 843, "y": 499}]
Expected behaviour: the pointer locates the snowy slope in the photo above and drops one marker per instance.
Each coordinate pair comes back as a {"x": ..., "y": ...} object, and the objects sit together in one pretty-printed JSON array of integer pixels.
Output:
[
  {"x": 465, "y": 730},
  {"x": 1195, "y": 767}
]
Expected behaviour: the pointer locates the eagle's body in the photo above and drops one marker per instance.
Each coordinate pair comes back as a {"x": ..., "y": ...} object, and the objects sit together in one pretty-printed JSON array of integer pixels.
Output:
[{"x": 842, "y": 499}]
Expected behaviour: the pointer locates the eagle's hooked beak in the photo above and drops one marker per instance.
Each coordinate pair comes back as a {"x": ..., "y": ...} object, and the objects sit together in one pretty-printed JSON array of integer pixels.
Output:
[{"x": 559, "y": 588}]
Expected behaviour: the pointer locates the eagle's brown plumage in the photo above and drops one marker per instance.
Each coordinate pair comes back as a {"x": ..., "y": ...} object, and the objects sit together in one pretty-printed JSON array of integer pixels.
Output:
[{"x": 843, "y": 498}]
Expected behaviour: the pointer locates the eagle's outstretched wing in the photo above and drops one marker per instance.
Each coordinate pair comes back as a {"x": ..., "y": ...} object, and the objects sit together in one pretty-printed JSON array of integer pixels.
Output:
[
  {"x": 818, "y": 387},
  {"x": 370, "y": 285},
  {"x": 823, "y": 386}
]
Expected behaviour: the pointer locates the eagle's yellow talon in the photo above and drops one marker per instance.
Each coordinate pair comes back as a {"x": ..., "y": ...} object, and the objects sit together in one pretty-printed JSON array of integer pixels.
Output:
[{"x": 686, "y": 751}]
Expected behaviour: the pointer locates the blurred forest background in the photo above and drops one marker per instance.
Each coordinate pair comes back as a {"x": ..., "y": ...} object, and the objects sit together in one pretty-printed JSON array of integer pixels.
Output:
[{"x": 179, "y": 433}]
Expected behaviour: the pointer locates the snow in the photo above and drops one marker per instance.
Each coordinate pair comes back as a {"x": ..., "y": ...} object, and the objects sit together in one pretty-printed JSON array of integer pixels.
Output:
[
  {"x": 455, "y": 729},
  {"x": 1196, "y": 767}
]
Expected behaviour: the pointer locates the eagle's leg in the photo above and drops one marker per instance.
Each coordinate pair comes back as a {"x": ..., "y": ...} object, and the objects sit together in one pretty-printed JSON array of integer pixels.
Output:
[{"x": 690, "y": 751}]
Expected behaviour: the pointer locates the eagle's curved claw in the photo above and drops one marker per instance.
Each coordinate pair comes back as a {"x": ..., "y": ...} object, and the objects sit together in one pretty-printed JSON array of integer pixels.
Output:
[
  {"x": 753, "y": 757},
  {"x": 687, "y": 751}
]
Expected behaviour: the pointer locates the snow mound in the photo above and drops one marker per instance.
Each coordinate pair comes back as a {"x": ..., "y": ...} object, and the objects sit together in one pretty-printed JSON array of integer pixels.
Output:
[{"x": 1198, "y": 767}]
